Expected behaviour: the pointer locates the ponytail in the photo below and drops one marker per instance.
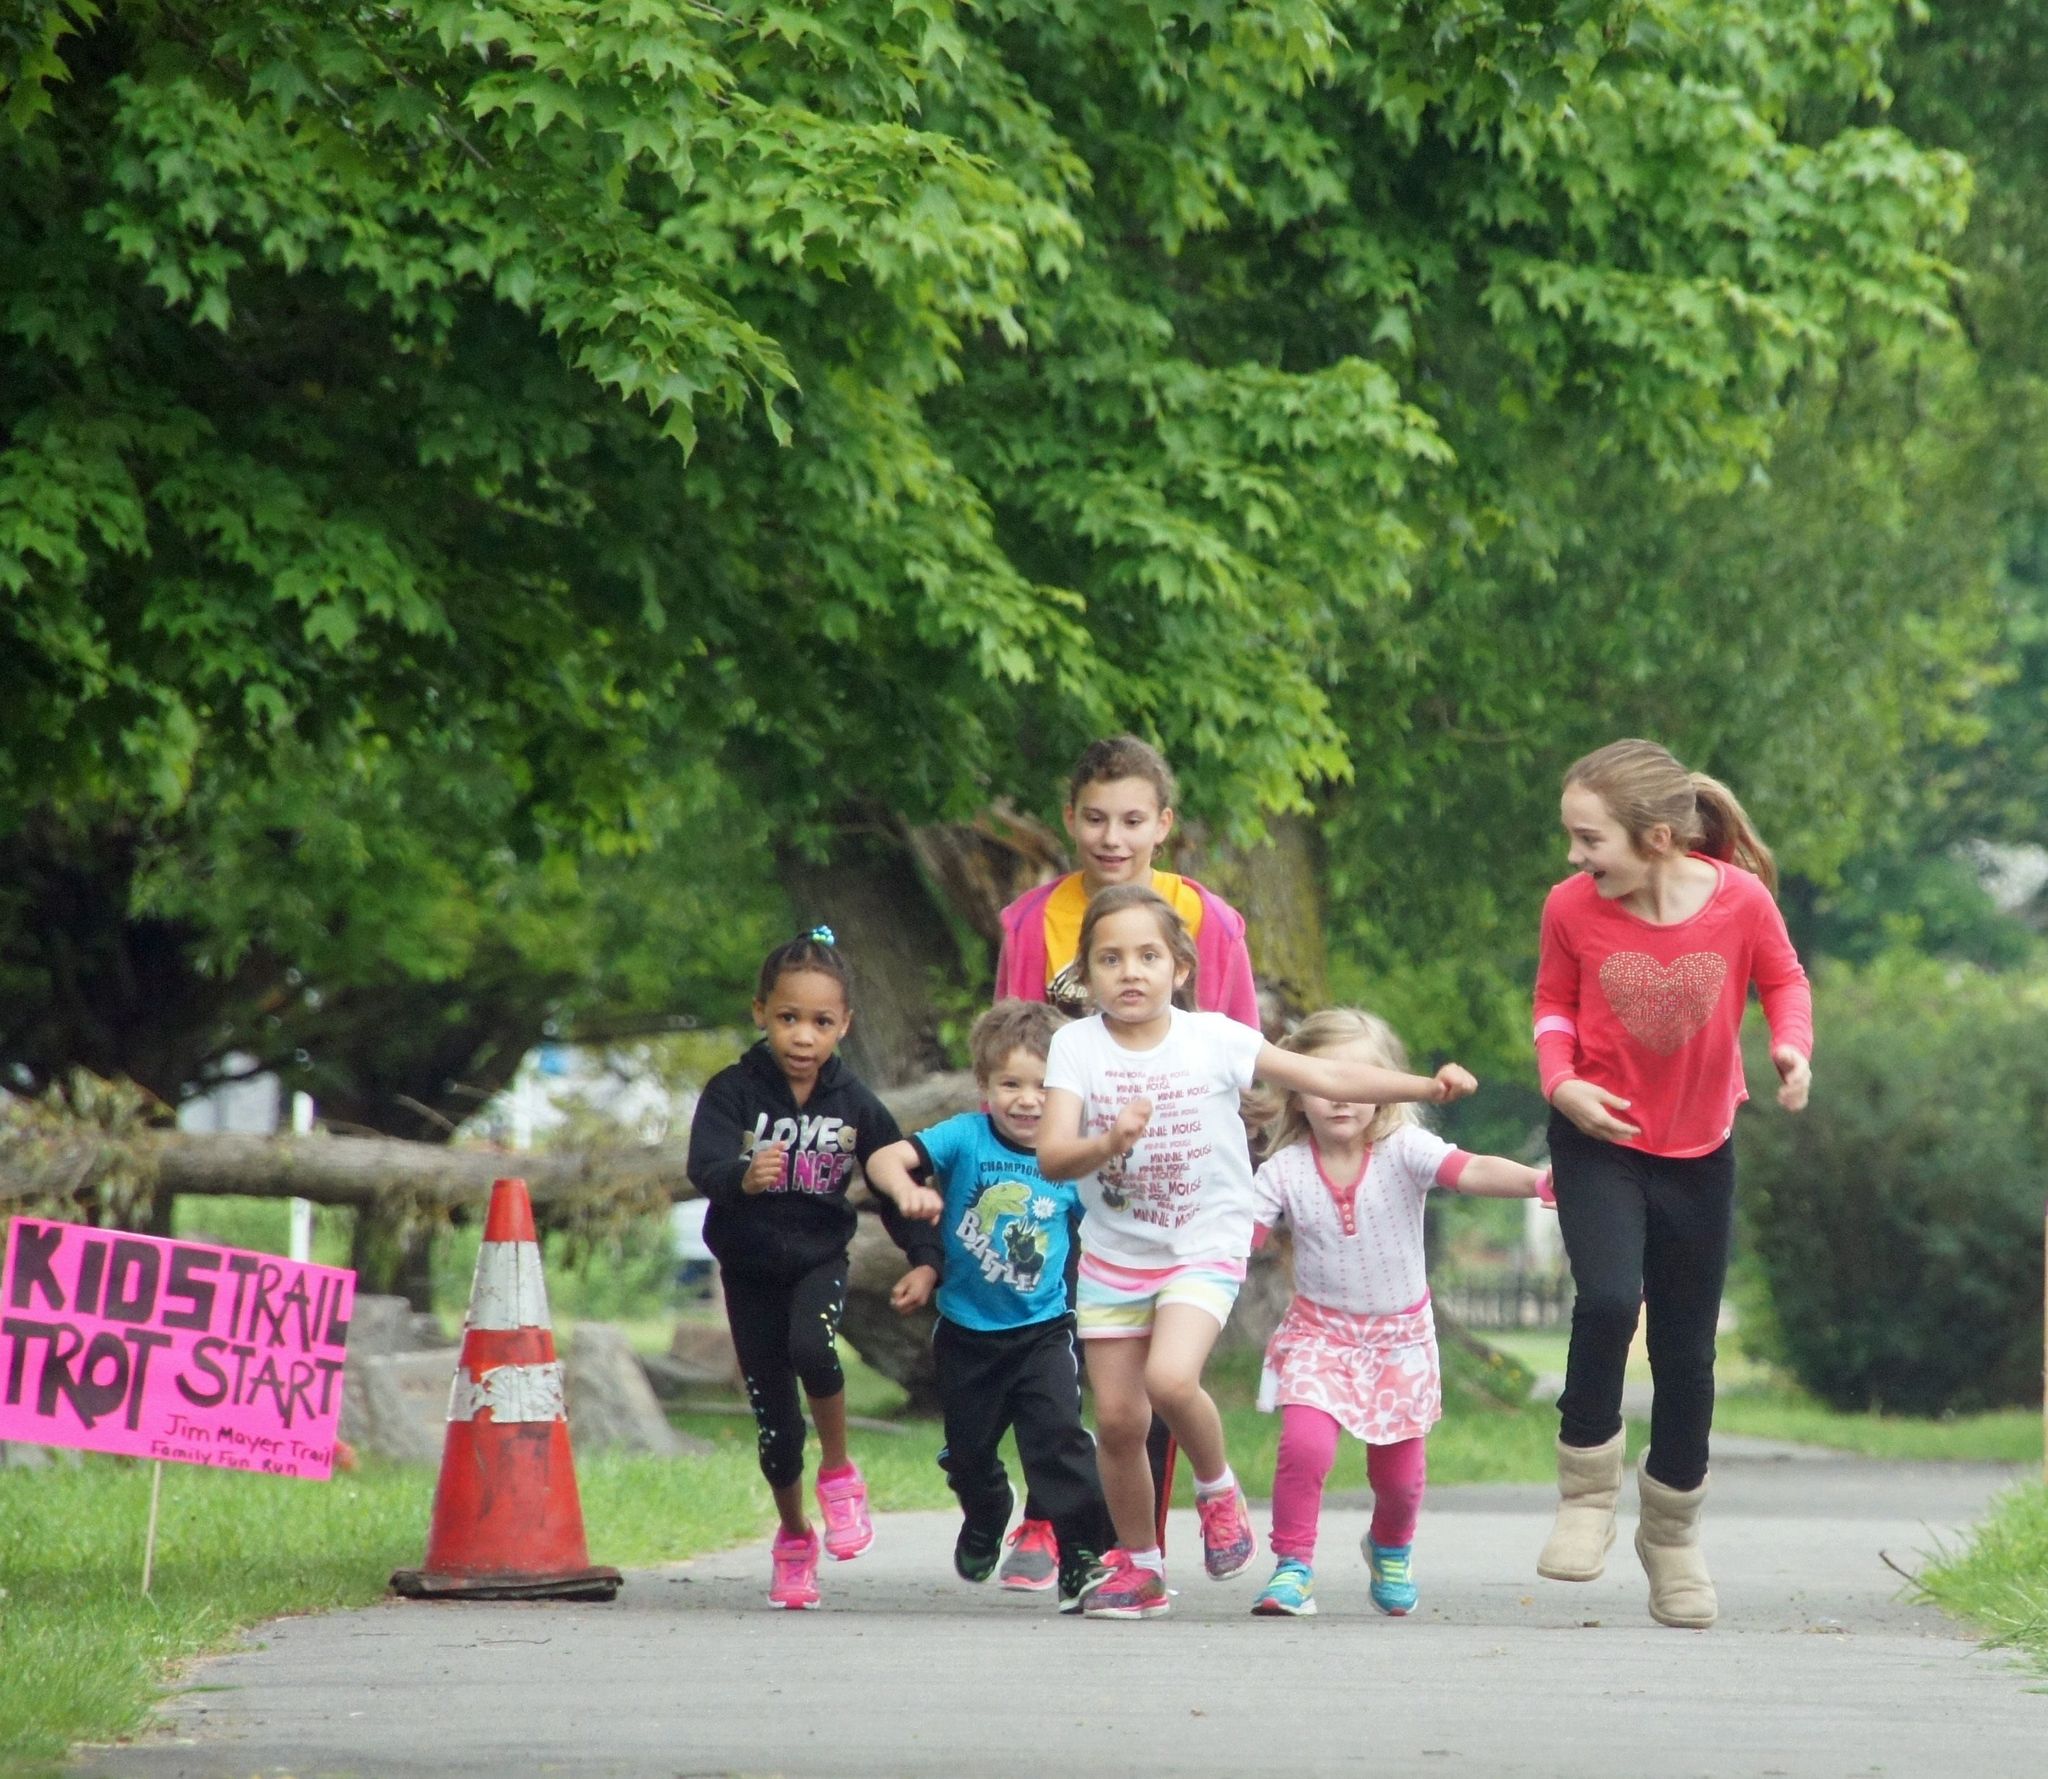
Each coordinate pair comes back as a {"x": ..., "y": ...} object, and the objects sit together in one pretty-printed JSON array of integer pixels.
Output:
[
  {"x": 1727, "y": 833},
  {"x": 816, "y": 951},
  {"x": 1644, "y": 787}
]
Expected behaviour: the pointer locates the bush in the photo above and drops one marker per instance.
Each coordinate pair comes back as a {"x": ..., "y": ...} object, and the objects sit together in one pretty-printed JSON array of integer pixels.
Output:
[{"x": 1896, "y": 1224}]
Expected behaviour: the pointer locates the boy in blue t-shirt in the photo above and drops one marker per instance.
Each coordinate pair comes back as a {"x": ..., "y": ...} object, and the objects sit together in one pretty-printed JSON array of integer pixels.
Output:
[{"x": 1005, "y": 1339}]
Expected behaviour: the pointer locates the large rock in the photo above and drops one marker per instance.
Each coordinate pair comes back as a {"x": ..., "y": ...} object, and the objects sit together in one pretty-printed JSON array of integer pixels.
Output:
[
  {"x": 379, "y": 1325},
  {"x": 400, "y": 1369},
  {"x": 394, "y": 1390},
  {"x": 701, "y": 1359},
  {"x": 611, "y": 1403},
  {"x": 395, "y": 1405}
]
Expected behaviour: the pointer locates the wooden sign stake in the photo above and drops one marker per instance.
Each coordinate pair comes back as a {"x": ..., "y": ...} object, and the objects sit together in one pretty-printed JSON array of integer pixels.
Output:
[{"x": 156, "y": 1484}]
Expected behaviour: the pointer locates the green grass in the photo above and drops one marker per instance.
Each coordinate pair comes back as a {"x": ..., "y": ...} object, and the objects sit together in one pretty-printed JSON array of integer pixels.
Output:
[
  {"x": 2000, "y": 1579},
  {"x": 1781, "y": 1411},
  {"x": 83, "y": 1652},
  {"x": 1755, "y": 1400}
]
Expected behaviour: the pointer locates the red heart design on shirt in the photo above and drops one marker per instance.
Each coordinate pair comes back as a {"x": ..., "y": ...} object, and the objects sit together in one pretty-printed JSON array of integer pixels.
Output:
[{"x": 1663, "y": 1006}]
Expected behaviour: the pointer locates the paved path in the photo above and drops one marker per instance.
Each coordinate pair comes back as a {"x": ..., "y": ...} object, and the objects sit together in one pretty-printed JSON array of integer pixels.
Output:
[{"x": 1818, "y": 1669}]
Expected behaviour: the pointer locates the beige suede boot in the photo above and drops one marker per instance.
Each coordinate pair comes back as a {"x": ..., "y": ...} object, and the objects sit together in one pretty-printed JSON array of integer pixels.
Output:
[
  {"x": 1588, "y": 1479},
  {"x": 1668, "y": 1541}
]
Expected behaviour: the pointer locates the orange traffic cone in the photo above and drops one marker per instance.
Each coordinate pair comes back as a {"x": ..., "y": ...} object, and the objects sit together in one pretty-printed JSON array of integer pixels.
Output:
[{"x": 507, "y": 1521}]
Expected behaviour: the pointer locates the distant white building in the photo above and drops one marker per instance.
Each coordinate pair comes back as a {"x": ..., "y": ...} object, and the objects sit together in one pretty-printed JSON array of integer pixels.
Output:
[
  {"x": 253, "y": 1106},
  {"x": 628, "y": 1088}
]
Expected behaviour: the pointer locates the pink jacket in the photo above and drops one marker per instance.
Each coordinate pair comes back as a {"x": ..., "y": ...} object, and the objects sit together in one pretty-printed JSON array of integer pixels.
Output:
[{"x": 1223, "y": 967}]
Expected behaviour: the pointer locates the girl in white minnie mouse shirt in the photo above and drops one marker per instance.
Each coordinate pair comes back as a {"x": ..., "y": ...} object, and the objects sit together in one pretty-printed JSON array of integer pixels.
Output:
[{"x": 1141, "y": 1109}]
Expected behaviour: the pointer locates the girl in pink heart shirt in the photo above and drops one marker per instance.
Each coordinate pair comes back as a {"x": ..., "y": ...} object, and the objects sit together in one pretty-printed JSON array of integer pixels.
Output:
[
  {"x": 1653, "y": 1013},
  {"x": 1647, "y": 957}
]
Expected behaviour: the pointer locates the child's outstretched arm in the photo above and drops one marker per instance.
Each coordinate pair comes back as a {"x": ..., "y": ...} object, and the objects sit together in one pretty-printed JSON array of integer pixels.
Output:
[
  {"x": 889, "y": 1172},
  {"x": 1065, "y": 1154},
  {"x": 1495, "y": 1176},
  {"x": 1332, "y": 1078}
]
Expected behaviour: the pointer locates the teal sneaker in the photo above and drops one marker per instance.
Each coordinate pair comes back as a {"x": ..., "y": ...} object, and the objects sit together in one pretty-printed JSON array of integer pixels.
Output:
[
  {"x": 1392, "y": 1592},
  {"x": 1290, "y": 1594}
]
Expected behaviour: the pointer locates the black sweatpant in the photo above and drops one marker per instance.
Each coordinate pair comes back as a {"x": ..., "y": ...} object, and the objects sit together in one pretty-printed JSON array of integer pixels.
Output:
[
  {"x": 1648, "y": 1234},
  {"x": 783, "y": 1333},
  {"x": 1030, "y": 1379}
]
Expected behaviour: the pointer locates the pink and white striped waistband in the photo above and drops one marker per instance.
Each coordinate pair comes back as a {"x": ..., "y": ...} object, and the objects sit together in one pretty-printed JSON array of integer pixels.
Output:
[{"x": 1141, "y": 1278}]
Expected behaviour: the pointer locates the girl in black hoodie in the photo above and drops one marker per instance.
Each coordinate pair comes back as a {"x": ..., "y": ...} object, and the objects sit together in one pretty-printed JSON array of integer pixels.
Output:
[{"x": 772, "y": 1146}]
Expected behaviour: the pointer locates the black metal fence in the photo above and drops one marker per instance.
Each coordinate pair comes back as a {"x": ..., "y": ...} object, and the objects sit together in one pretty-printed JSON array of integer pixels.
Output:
[{"x": 1504, "y": 1297}]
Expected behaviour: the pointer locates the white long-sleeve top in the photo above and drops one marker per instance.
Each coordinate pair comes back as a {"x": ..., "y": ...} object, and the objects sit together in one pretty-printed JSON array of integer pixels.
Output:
[{"x": 1358, "y": 1243}]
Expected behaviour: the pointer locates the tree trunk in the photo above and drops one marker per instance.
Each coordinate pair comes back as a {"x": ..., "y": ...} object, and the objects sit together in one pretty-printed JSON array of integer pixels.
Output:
[
  {"x": 897, "y": 939},
  {"x": 1277, "y": 887},
  {"x": 43, "y": 1162},
  {"x": 329, "y": 1170},
  {"x": 899, "y": 1347},
  {"x": 393, "y": 1257},
  {"x": 62, "y": 1161},
  {"x": 978, "y": 868}
]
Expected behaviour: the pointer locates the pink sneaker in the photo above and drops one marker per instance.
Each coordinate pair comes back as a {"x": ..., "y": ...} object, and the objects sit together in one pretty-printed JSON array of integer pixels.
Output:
[
  {"x": 843, "y": 1500},
  {"x": 1228, "y": 1541},
  {"x": 1033, "y": 1564},
  {"x": 1120, "y": 1589},
  {"x": 795, "y": 1587}
]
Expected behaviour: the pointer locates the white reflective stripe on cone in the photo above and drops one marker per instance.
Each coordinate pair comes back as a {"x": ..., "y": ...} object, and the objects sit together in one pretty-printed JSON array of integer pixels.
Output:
[
  {"x": 511, "y": 1392},
  {"x": 509, "y": 1291}
]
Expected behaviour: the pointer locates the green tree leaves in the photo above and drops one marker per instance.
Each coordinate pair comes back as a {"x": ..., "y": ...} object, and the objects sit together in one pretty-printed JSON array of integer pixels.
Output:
[{"x": 864, "y": 403}]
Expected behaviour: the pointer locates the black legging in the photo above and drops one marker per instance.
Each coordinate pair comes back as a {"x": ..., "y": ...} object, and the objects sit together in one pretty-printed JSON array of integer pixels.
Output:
[
  {"x": 1648, "y": 1234},
  {"x": 783, "y": 1333}
]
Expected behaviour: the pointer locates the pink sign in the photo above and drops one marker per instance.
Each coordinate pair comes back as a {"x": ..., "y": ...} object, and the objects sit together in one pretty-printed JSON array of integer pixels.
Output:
[{"x": 177, "y": 1350}]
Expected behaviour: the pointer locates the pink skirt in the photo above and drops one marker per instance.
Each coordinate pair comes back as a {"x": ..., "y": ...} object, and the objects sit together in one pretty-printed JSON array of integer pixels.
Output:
[{"x": 1377, "y": 1377}]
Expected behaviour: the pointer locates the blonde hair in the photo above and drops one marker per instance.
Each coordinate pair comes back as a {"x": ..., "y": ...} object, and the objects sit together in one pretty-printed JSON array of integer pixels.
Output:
[
  {"x": 1642, "y": 786},
  {"x": 1120, "y": 897},
  {"x": 1286, "y": 1123}
]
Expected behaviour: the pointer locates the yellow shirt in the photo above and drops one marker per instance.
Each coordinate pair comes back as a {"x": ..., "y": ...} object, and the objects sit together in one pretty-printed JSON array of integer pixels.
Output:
[{"x": 1065, "y": 908}]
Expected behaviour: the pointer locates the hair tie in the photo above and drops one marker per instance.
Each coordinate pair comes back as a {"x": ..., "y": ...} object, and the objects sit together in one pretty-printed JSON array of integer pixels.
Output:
[{"x": 823, "y": 935}]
